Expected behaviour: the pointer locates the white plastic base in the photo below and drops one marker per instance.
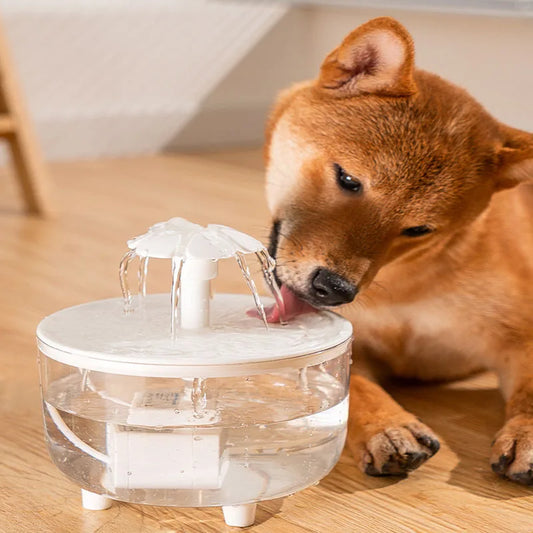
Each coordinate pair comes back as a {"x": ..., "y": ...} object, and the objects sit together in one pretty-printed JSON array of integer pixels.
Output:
[
  {"x": 240, "y": 515},
  {"x": 94, "y": 502}
]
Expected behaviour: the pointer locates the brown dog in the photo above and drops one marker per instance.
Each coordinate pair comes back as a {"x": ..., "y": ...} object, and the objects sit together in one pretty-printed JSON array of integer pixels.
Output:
[{"x": 390, "y": 182}]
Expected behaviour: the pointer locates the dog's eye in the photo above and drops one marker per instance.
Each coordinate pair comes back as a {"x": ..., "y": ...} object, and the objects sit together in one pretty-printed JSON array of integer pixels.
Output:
[
  {"x": 416, "y": 231},
  {"x": 346, "y": 181}
]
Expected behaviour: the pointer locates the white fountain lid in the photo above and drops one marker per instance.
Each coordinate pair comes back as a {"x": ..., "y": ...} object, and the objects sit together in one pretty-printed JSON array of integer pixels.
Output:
[{"x": 100, "y": 336}]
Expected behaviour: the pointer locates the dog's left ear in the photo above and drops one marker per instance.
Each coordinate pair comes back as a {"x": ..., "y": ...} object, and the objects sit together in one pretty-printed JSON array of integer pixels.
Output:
[
  {"x": 515, "y": 158},
  {"x": 376, "y": 58}
]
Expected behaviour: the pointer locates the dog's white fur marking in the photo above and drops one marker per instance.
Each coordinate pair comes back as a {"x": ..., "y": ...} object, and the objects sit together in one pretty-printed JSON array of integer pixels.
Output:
[{"x": 288, "y": 153}]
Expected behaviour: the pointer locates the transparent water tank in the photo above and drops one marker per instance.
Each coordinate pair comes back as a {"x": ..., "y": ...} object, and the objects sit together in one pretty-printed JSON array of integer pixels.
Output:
[{"x": 223, "y": 415}]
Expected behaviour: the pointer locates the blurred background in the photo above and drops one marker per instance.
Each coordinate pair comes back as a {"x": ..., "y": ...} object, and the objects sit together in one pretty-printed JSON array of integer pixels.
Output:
[{"x": 126, "y": 77}]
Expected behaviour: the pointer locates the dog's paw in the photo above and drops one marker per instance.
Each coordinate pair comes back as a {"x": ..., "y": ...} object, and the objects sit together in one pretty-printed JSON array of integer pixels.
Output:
[
  {"x": 396, "y": 450},
  {"x": 512, "y": 450}
]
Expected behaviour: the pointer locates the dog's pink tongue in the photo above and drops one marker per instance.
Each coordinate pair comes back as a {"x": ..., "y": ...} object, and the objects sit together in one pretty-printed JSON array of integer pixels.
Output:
[{"x": 293, "y": 307}]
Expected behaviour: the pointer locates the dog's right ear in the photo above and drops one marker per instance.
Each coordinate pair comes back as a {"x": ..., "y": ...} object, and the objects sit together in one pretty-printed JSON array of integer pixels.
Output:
[
  {"x": 515, "y": 157},
  {"x": 376, "y": 58}
]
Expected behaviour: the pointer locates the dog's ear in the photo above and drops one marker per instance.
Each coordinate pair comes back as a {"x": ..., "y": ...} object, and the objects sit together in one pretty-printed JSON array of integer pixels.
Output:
[
  {"x": 376, "y": 58},
  {"x": 515, "y": 158}
]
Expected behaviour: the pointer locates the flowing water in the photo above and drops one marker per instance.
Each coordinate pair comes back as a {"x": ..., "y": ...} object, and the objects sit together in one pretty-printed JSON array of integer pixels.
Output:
[
  {"x": 177, "y": 265},
  {"x": 123, "y": 275},
  {"x": 199, "y": 397},
  {"x": 268, "y": 265},
  {"x": 243, "y": 265},
  {"x": 142, "y": 275}
]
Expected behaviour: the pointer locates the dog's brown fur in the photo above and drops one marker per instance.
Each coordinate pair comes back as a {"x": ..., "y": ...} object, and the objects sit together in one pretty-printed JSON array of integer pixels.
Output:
[{"x": 434, "y": 307}]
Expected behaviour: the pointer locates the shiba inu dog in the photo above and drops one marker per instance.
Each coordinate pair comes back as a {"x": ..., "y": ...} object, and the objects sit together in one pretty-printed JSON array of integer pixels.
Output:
[{"x": 394, "y": 188}]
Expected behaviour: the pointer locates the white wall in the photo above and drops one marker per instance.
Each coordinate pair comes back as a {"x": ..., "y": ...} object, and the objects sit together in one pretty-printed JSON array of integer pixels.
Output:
[
  {"x": 234, "y": 112},
  {"x": 113, "y": 77}
]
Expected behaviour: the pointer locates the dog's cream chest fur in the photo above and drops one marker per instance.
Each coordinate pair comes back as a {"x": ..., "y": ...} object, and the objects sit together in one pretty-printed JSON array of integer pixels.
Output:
[{"x": 425, "y": 339}]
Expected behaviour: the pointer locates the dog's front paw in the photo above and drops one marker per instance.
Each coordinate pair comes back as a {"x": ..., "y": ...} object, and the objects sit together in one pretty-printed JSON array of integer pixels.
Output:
[
  {"x": 396, "y": 449},
  {"x": 512, "y": 451}
]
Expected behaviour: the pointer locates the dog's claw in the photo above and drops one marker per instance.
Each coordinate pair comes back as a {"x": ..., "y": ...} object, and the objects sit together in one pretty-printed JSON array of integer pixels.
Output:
[
  {"x": 414, "y": 460},
  {"x": 512, "y": 451},
  {"x": 503, "y": 462},
  {"x": 428, "y": 441},
  {"x": 525, "y": 478},
  {"x": 371, "y": 470},
  {"x": 399, "y": 450}
]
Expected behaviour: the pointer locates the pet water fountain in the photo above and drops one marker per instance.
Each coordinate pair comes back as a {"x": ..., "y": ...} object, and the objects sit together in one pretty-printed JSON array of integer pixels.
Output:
[{"x": 186, "y": 400}]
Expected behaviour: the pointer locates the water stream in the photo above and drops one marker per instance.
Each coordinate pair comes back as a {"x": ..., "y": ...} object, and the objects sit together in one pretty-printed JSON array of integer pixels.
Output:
[
  {"x": 142, "y": 275},
  {"x": 123, "y": 274},
  {"x": 243, "y": 265},
  {"x": 177, "y": 265},
  {"x": 268, "y": 265},
  {"x": 199, "y": 397}
]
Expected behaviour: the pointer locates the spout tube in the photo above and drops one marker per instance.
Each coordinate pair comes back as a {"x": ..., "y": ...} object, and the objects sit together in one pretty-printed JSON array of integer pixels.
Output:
[{"x": 195, "y": 292}]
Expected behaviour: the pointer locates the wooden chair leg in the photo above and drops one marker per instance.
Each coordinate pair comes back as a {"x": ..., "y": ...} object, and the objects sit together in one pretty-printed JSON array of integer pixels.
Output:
[
  {"x": 16, "y": 128},
  {"x": 31, "y": 174}
]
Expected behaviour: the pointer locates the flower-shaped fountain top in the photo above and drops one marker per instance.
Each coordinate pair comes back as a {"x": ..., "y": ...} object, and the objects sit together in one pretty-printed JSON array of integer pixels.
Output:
[
  {"x": 179, "y": 238},
  {"x": 194, "y": 251}
]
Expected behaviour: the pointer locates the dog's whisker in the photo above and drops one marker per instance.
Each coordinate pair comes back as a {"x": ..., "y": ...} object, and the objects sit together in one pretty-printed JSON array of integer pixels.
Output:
[{"x": 292, "y": 240}]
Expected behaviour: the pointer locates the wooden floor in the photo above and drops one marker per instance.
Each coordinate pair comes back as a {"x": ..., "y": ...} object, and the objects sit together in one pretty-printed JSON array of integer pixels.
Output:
[{"x": 47, "y": 265}]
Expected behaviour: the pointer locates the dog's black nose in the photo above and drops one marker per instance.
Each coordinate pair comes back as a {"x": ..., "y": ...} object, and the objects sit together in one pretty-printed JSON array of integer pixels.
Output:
[{"x": 328, "y": 288}]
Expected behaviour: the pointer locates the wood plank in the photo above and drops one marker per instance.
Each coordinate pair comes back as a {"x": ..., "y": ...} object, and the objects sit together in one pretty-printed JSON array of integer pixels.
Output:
[{"x": 49, "y": 264}]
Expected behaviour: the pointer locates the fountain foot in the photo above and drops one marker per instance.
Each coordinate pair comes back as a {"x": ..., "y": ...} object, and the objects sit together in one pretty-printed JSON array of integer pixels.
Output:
[
  {"x": 240, "y": 515},
  {"x": 94, "y": 502}
]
